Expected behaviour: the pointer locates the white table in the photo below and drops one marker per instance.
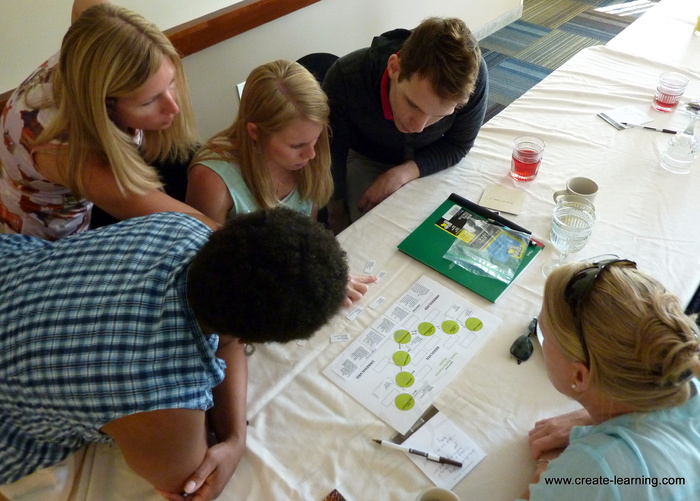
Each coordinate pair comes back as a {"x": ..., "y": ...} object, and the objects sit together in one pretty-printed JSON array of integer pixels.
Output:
[
  {"x": 664, "y": 34},
  {"x": 307, "y": 436}
]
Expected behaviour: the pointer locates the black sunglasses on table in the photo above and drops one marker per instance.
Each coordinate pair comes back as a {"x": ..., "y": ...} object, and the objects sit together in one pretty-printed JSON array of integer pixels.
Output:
[
  {"x": 522, "y": 347},
  {"x": 575, "y": 294}
]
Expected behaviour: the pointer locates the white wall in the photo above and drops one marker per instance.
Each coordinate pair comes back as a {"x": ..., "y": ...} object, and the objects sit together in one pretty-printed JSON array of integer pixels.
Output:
[
  {"x": 336, "y": 26},
  {"x": 31, "y": 30}
]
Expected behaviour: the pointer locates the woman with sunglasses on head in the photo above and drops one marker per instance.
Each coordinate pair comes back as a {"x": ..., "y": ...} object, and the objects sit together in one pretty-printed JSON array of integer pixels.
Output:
[
  {"x": 86, "y": 126},
  {"x": 617, "y": 342}
]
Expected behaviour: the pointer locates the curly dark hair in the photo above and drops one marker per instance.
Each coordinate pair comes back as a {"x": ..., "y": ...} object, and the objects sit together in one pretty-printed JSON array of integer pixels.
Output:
[{"x": 271, "y": 275}]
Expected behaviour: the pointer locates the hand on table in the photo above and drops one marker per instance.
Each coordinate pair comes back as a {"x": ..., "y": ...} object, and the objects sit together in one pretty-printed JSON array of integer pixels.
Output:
[
  {"x": 207, "y": 482},
  {"x": 542, "y": 465},
  {"x": 387, "y": 183},
  {"x": 357, "y": 287},
  {"x": 553, "y": 433}
]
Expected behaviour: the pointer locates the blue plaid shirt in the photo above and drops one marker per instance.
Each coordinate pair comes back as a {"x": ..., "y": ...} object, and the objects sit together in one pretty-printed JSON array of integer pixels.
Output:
[{"x": 93, "y": 328}]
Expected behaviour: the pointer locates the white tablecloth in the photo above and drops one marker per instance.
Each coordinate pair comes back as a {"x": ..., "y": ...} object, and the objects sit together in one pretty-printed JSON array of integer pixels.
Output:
[{"x": 307, "y": 436}]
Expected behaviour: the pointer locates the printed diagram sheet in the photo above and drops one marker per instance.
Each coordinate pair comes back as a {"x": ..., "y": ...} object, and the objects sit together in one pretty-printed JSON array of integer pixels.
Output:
[{"x": 399, "y": 365}]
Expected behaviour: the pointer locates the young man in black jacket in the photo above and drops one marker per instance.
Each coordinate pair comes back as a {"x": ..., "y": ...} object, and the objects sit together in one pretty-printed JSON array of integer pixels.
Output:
[{"x": 408, "y": 106}]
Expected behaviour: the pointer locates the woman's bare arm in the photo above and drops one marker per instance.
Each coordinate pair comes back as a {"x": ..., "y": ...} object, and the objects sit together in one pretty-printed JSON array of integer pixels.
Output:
[
  {"x": 101, "y": 189},
  {"x": 207, "y": 193}
]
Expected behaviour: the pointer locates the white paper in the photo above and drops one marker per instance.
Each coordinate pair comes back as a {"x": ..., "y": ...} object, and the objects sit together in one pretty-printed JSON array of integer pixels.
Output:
[
  {"x": 400, "y": 364},
  {"x": 502, "y": 199},
  {"x": 354, "y": 313},
  {"x": 630, "y": 114},
  {"x": 339, "y": 338},
  {"x": 441, "y": 436},
  {"x": 377, "y": 302}
]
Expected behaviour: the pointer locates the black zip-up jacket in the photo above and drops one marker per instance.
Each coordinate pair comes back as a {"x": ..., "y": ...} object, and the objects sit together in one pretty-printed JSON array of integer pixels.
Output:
[{"x": 358, "y": 122}]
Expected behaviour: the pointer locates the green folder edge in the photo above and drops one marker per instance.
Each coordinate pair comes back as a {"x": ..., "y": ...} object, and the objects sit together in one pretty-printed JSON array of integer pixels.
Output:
[{"x": 428, "y": 244}]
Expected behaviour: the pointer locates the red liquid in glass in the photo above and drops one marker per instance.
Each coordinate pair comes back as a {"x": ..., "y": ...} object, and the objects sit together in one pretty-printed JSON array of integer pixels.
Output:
[
  {"x": 525, "y": 164},
  {"x": 665, "y": 102}
]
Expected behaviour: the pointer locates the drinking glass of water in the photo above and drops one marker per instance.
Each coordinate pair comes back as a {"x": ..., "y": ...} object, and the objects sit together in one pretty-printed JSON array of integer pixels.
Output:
[
  {"x": 572, "y": 223},
  {"x": 683, "y": 148}
]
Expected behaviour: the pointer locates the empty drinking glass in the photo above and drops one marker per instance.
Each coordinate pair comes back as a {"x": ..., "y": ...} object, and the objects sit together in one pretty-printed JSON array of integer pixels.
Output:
[
  {"x": 682, "y": 150},
  {"x": 572, "y": 224}
]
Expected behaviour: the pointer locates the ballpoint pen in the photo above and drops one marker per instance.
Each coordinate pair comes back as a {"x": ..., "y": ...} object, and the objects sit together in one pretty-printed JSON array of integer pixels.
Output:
[
  {"x": 427, "y": 455},
  {"x": 637, "y": 126}
]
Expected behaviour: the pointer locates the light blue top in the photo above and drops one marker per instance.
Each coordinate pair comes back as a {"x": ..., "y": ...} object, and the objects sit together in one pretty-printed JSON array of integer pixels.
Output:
[
  {"x": 635, "y": 454},
  {"x": 243, "y": 200}
]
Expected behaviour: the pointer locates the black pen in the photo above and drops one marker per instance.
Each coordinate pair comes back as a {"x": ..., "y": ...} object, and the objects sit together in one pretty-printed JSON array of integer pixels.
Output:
[
  {"x": 636, "y": 126},
  {"x": 427, "y": 455}
]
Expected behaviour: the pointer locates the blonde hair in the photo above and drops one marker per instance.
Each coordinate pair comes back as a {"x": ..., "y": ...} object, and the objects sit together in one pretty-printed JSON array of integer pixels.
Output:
[
  {"x": 107, "y": 53},
  {"x": 643, "y": 349},
  {"x": 275, "y": 95}
]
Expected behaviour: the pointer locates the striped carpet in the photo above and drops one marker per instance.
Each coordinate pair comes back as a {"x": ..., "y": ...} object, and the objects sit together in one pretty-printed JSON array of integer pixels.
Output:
[{"x": 547, "y": 35}]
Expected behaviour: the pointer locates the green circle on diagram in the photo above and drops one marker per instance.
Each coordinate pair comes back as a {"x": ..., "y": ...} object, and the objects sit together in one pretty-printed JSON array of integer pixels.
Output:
[
  {"x": 402, "y": 336},
  {"x": 450, "y": 327},
  {"x": 473, "y": 324},
  {"x": 405, "y": 379},
  {"x": 404, "y": 402},
  {"x": 401, "y": 358},
  {"x": 426, "y": 328}
]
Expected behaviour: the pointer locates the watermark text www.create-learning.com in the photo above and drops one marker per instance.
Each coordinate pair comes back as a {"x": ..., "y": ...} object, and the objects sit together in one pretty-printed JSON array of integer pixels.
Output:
[{"x": 615, "y": 480}]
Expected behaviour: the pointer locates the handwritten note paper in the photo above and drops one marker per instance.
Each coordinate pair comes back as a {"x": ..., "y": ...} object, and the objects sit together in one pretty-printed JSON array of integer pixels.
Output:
[
  {"x": 630, "y": 114},
  {"x": 502, "y": 199},
  {"x": 441, "y": 436}
]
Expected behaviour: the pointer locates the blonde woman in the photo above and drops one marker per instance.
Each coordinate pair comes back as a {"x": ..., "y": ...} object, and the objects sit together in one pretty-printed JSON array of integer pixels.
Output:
[
  {"x": 276, "y": 152},
  {"x": 617, "y": 342},
  {"x": 82, "y": 129}
]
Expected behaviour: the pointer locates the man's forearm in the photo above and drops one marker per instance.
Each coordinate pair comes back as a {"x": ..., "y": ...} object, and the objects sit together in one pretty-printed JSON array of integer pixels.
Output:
[{"x": 228, "y": 416}]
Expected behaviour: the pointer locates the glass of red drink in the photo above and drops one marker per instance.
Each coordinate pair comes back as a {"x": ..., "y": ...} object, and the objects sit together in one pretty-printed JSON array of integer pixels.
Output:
[
  {"x": 669, "y": 91},
  {"x": 527, "y": 156}
]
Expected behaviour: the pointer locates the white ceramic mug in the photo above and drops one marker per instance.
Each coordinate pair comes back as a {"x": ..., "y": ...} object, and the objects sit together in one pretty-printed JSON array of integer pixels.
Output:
[
  {"x": 581, "y": 186},
  {"x": 437, "y": 494}
]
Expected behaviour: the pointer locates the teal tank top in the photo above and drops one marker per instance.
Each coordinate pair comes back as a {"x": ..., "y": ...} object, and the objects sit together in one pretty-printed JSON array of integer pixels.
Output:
[{"x": 243, "y": 200}]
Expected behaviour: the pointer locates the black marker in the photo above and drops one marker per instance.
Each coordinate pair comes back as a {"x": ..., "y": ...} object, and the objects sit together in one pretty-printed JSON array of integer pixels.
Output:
[
  {"x": 667, "y": 131},
  {"x": 426, "y": 455}
]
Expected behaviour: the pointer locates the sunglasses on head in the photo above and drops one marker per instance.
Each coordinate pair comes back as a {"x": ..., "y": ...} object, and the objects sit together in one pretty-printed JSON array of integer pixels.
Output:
[
  {"x": 575, "y": 294},
  {"x": 580, "y": 286}
]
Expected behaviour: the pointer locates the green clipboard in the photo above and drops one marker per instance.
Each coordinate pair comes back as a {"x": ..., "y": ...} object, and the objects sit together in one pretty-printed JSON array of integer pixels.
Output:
[{"x": 429, "y": 242}]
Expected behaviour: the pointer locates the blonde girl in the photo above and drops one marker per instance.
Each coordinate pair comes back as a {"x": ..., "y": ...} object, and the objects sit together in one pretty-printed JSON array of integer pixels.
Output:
[{"x": 275, "y": 152}]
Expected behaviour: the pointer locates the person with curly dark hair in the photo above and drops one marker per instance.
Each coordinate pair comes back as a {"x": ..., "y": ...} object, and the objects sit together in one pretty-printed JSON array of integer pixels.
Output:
[
  {"x": 287, "y": 275},
  {"x": 123, "y": 347}
]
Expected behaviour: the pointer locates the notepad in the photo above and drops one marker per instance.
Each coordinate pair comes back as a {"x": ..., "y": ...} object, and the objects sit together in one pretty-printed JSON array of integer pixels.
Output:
[
  {"x": 429, "y": 242},
  {"x": 503, "y": 199}
]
